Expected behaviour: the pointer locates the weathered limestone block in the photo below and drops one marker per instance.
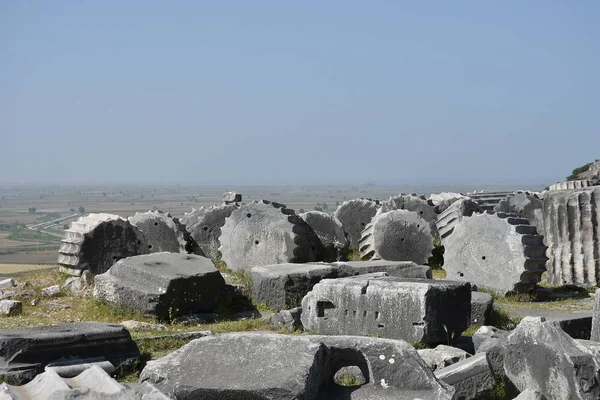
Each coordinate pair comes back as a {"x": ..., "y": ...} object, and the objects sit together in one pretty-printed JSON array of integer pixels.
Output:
[
  {"x": 524, "y": 205},
  {"x": 569, "y": 185},
  {"x": 493, "y": 342},
  {"x": 541, "y": 357},
  {"x": 488, "y": 200},
  {"x": 355, "y": 215},
  {"x": 270, "y": 366},
  {"x": 331, "y": 234},
  {"x": 471, "y": 377},
  {"x": 282, "y": 286},
  {"x": 165, "y": 233},
  {"x": 415, "y": 310},
  {"x": 397, "y": 235},
  {"x": 416, "y": 203},
  {"x": 263, "y": 233},
  {"x": 481, "y": 308},
  {"x": 162, "y": 284},
  {"x": 495, "y": 251},
  {"x": 573, "y": 236},
  {"x": 91, "y": 384},
  {"x": 442, "y": 356},
  {"x": 438, "y": 198},
  {"x": 595, "y": 335},
  {"x": 206, "y": 228},
  {"x": 10, "y": 307},
  {"x": 453, "y": 214},
  {"x": 232, "y": 197},
  {"x": 24, "y": 352},
  {"x": 96, "y": 241}
]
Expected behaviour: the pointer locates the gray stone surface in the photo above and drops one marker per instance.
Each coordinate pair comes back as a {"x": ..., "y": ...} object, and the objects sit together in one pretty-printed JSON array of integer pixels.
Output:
[
  {"x": 541, "y": 357},
  {"x": 205, "y": 227},
  {"x": 282, "y": 286},
  {"x": 495, "y": 251},
  {"x": 51, "y": 291},
  {"x": 92, "y": 383},
  {"x": 397, "y": 235},
  {"x": 165, "y": 233},
  {"x": 288, "y": 319},
  {"x": 94, "y": 242},
  {"x": 569, "y": 185},
  {"x": 232, "y": 197},
  {"x": 529, "y": 394},
  {"x": 492, "y": 341},
  {"x": 442, "y": 356},
  {"x": 161, "y": 284},
  {"x": 595, "y": 334},
  {"x": 453, "y": 214},
  {"x": 79, "y": 284},
  {"x": 355, "y": 215},
  {"x": 10, "y": 307},
  {"x": 7, "y": 283},
  {"x": 412, "y": 202},
  {"x": 415, "y": 310},
  {"x": 471, "y": 377},
  {"x": 263, "y": 233},
  {"x": 24, "y": 352},
  {"x": 488, "y": 200},
  {"x": 271, "y": 366},
  {"x": 481, "y": 308},
  {"x": 331, "y": 234},
  {"x": 524, "y": 205},
  {"x": 571, "y": 225}
]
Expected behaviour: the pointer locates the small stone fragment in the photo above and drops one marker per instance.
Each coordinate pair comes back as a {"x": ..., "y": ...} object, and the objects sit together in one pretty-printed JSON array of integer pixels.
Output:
[
  {"x": 51, "y": 291},
  {"x": 7, "y": 283},
  {"x": 442, "y": 356},
  {"x": 232, "y": 197},
  {"x": 10, "y": 307}
]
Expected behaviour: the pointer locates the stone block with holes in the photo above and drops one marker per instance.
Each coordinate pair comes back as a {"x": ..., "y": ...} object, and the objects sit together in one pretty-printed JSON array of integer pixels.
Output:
[
  {"x": 165, "y": 285},
  {"x": 259, "y": 365},
  {"x": 415, "y": 310}
]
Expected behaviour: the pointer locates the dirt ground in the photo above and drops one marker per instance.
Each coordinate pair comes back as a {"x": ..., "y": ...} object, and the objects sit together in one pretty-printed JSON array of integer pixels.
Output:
[{"x": 34, "y": 257}]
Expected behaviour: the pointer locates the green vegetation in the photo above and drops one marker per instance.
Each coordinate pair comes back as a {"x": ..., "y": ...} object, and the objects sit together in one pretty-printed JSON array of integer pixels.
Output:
[
  {"x": 347, "y": 380},
  {"x": 438, "y": 273},
  {"x": 27, "y": 235},
  {"x": 420, "y": 345},
  {"x": 579, "y": 170},
  {"x": 354, "y": 255},
  {"x": 499, "y": 391},
  {"x": 436, "y": 261}
]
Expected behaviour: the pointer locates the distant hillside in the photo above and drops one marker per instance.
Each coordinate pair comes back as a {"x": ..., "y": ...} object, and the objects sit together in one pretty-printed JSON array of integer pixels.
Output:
[{"x": 590, "y": 171}]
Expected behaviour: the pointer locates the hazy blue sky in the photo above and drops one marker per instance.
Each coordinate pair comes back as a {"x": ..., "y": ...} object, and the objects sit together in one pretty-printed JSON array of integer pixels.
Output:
[{"x": 259, "y": 92}]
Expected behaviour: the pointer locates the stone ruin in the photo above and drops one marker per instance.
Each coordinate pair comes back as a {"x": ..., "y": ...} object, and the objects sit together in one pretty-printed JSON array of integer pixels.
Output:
[
  {"x": 263, "y": 233},
  {"x": 571, "y": 219},
  {"x": 94, "y": 242},
  {"x": 165, "y": 233},
  {"x": 397, "y": 235},
  {"x": 355, "y": 215},
  {"x": 416, "y": 203},
  {"x": 331, "y": 234},
  {"x": 205, "y": 227}
]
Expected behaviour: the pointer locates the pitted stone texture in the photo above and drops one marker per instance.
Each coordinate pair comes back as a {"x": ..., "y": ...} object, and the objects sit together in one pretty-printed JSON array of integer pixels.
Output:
[
  {"x": 571, "y": 219},
  {"x": 232, "y": 197},
  {"x": 481, "y": 308},
  {"x": 488, "y": 200},
  {"x": 271, "y": 366},
  {"x": 412, "y": 202},
  {"x": 164, "y": 233},
  {"x": 442, "y": 356},
  {"x": 24, "y": 352},
  {"x": 355, "y": 215},
  {"x": 472, "y": 377},
  {"x": 595, "y": 335},
  {"x": 282, "y": 286},
  {"x": 453, "y": 214},
  {"x": 541, "y": 357},
  {"x": 96, "y": 241},
  {"x": 569, "y": 185},
  {"x": 415, "y": 310},
  {"x": 524, "y": 205},
  {"x": 495, "y": 251},
  {"x": 331, "y": 234},
  {"x": 161, "y": 284},
  {"x": 397, "y": 235},
  {"x": 263, "y": 233},
  {"x": 91, "y": 384},
  {"x": 206, "y": 227}
]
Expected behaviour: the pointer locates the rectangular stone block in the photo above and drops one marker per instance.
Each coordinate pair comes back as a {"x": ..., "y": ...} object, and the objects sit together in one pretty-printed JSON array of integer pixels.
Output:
[
  {"x": 415, "y": 310},
  {"x": 282, "y": 286}
]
